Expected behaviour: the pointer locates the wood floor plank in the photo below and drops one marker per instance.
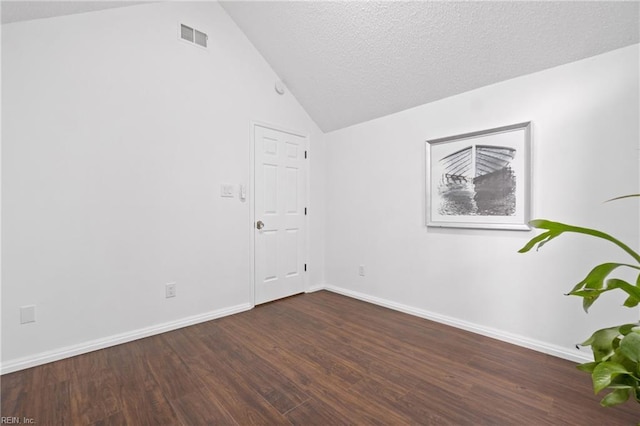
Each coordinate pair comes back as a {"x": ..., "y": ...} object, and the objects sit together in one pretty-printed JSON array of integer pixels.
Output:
[
  {"x": 171, "y": 373},
  {"x": 243, "y": 403},
  {"x": 313, "y": 359},
  {"x": 201, "y": 408},
  {"x": 276, "y": 389},
  {"x": 393, "y": 365},
  {"x": 115, "y": 419},
  {"x": 314, "y": 412},
  {"x": 222, "y": 352},
  {"x": 145, "y": 404},
  {"x": 296, "y": 363},
  {"x": 129, "y": 363},
  {"x": 320, "y": 381},
  {"x": 13, "y": 389},
  {"x": 433, "y": 406},
  {"x": 93, "y": 400},
  {"x": 53, "y": 404},
  {"x": 346, "y": 399}
]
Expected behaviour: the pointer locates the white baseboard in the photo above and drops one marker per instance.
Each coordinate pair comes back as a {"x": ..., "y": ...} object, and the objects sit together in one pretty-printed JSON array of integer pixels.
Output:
[
  {"x": 570, "y": 354},
  {"x": 69, "y": 351},
  {"x": 315, "y": 288},
  {"x": 94, "y": 345}
]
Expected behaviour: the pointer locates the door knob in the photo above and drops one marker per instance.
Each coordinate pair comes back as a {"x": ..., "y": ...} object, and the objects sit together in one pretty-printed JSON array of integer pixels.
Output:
[{"x": 259, "y": 224}]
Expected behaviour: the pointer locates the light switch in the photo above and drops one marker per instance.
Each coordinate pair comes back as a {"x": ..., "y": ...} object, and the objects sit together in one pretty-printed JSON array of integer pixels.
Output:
[{"x": 226, "y": 190}]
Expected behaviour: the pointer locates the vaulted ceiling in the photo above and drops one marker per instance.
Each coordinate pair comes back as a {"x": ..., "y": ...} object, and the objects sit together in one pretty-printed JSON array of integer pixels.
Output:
[
  {"x": 352, "y": 61},
  {"x": 349, "y": 62}
]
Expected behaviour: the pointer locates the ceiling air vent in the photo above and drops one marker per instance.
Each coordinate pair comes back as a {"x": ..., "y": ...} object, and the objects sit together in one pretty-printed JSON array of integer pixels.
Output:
[{"x": 193, "y": 36}]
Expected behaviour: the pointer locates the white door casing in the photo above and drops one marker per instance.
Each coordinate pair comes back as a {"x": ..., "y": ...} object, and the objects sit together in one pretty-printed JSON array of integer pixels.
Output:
[{"x": 280, "y": 191}]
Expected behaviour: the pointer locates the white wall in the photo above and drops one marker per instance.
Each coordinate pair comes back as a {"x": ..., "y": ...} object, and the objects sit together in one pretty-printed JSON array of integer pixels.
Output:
[
  {"x": 116, "y": 138},
  {"x": 586, "y": 150}
]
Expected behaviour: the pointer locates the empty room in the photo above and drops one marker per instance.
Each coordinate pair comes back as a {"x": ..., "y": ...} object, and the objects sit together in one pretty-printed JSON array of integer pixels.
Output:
[{"x": 320, "y": 213}]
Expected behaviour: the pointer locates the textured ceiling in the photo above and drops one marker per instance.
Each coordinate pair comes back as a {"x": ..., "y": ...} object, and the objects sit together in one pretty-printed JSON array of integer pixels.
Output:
[
  {"x": 14, "y": 11},
  {"x": 352, "y": 61},
  {"x": 349, "y": 62}
]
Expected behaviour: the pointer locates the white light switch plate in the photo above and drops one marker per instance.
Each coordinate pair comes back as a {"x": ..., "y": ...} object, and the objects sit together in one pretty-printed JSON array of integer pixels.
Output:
[{"x": 226, "y": 190}]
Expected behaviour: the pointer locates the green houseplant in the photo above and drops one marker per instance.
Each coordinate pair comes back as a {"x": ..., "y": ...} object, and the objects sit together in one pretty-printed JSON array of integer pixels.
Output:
[{"x": 616, "y": 350}]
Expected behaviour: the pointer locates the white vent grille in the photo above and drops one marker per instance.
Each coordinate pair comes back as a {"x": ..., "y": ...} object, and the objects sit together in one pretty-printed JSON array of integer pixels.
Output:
[
  {"x": 193, "y": 36},
  {"x": 201, "y": 39},
  {"x": 186, "y": 33}
]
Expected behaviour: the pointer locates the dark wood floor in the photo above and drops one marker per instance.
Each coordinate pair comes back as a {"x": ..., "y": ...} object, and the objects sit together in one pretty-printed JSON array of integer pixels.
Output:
[{"x": 314, "y": 359}]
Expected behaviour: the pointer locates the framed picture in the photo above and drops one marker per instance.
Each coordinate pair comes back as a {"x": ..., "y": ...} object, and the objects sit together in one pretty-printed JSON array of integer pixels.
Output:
[{"x": 480, "y": 179}]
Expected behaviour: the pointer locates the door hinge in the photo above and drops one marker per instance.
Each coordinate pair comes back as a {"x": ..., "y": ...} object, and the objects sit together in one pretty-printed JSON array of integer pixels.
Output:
[
  {"x": 305, "y": 211},
  {"x": 305, "y": 154},
  {"x": 305, "y": 267}
]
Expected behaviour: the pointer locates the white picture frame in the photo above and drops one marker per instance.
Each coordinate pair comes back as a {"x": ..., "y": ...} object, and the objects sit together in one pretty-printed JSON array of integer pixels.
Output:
[{"x": 480, "y": 179}]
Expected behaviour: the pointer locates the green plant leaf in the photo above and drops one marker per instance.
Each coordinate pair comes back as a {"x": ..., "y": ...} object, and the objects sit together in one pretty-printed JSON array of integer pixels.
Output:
[
  {"x": 605, "y": 372},
  {"x": 630, "y": 346},
  {"x": 557, "y": 228},
  {"x": 595, "y": 278},
  {"x": 593, "y": 285},
  {"x": 587, "y": 301},
  {"x": 631, "y": 290},
  {"x": 616, "y": 397},
  {"x": 585, "y": 293},
  {"x": 589, "y": 296},
  {"x": 587, "y": 366},
  {"x": 539, "y": 239},
  {"x": 631, "y": 302},
  {"x": 628, "y": 328},
  {"x": 620, "y": 387},
  {"x": 543, "y": 224},
  {"x": 616, "y": 350},
  {"x": 601, "y": 343}
]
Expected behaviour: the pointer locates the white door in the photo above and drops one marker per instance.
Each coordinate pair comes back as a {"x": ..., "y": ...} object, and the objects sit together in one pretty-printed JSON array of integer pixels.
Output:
[{"x": 280, "y": 187}]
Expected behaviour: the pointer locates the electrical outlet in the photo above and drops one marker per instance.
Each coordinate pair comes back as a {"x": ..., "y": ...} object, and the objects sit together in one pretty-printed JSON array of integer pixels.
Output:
[
  {"x": 170, "y": 290},
  {"x": 361, "y": 270}
]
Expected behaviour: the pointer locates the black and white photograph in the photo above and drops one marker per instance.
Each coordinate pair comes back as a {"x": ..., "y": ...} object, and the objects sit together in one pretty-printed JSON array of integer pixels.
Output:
[{"x": 480, "y": 179}]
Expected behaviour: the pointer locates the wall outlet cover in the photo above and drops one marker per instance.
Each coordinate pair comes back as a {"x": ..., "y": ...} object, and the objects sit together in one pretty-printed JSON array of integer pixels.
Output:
[
  {"x": 170, "y": 290},
  {"x": 27, "y": 314}
]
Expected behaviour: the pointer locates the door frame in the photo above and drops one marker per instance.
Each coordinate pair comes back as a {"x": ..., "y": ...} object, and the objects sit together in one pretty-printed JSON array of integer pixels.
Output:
[{"x": 251, "y": 200}]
